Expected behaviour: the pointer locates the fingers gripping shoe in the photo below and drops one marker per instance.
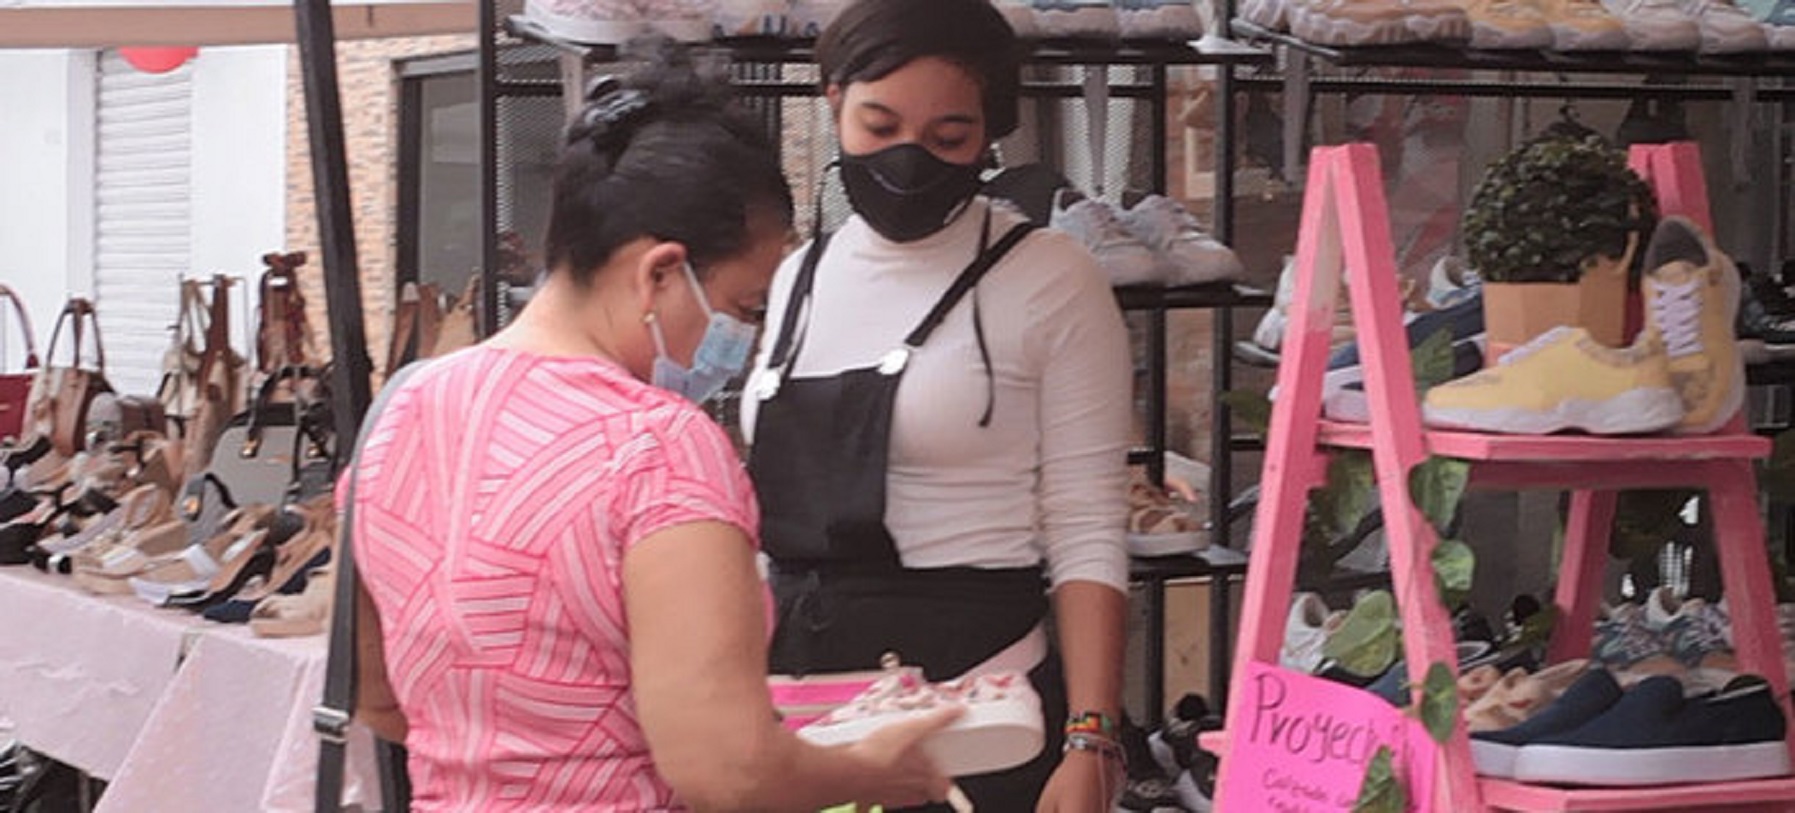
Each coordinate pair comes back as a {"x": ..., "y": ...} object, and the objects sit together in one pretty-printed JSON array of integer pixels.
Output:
[
  {"x": 1563, "y": 380},
  {"x": 1002, "y": 726},
  {"x": 1691, "y": 301}
]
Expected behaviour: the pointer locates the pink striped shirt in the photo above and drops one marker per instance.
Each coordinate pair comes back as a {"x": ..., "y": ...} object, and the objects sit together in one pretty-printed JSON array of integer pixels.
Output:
[{"x": 497, "y": 496}]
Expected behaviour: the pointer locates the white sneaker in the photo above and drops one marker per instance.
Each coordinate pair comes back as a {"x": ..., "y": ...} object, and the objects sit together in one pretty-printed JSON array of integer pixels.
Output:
[
  {"x": 1726, "y": 28},
  {"x": 681, "y": 20},
  {"x": 1080, "y": 19},
  {"x": 809, "y": 17},
  {"x": 593, "y": 22},
  {"x": 1306, "y": 631},
  {"x": 1126, "y": 259},
  {"x": 1187, "y": 254},
  {"x": 1270, "y": 332},
  {"x": 750, "y": 18},
  {"x": 1267, "y": 14},
  {"x": 1657, "y": 25},
  {"x": 1000, "y": 729},
  {"x": 1158, "y": 19},
  {"x": 1780, "y": 37}
]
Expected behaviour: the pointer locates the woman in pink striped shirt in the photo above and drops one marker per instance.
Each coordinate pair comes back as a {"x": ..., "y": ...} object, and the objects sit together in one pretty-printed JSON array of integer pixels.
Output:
[{"x": 560, "y": 608}]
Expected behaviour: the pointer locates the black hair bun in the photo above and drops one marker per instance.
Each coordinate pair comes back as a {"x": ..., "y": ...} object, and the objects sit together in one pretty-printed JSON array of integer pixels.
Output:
[{"x": 666, "y": 81}]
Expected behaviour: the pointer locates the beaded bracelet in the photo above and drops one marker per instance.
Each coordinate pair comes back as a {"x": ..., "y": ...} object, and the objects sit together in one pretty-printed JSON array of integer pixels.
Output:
[
  {"x": 1099, "y": 745},
  {"x": 1092, "y": 722}
]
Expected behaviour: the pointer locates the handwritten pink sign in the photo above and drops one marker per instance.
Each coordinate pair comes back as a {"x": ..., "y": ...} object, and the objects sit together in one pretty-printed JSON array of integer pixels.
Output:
[{"x": 1305, "y": 742}]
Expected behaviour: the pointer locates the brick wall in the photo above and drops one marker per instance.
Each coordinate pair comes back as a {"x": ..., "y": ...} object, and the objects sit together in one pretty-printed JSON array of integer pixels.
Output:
[{"x": 370, "y": 93}]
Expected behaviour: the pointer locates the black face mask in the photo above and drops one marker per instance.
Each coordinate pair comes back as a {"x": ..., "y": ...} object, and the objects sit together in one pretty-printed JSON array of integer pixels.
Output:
[{"x": 904, "y": 192}]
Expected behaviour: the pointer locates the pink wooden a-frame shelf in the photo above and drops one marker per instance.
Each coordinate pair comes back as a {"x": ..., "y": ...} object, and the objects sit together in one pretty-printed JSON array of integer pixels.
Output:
[{"x": 1345, "y": 232}]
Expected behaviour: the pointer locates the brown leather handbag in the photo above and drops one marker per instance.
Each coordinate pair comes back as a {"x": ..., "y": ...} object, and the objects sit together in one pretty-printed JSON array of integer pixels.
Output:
[
  {"x": 65, "y": 394},
  {"x": 203, "y": 376},
  {"x": 15, "y": 388},
  {"x": 416, "y": 325}
]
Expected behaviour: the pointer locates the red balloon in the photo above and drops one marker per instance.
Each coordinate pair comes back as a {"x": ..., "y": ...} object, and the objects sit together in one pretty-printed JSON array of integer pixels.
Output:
[{"x": 158, "y": 60}]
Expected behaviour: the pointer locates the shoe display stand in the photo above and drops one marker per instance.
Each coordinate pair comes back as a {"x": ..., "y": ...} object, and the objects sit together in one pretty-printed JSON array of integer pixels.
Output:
[
  {"x": 1345, "y": 224},
  {"x": 755, "y": 63}
]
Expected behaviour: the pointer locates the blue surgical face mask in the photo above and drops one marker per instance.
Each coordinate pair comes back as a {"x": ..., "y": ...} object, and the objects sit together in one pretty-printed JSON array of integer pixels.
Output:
[{"x": 721, "y": 355}]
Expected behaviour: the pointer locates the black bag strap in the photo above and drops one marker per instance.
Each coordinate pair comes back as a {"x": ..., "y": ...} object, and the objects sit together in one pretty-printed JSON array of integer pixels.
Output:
[
  {"x": 783, "y": 348},
  {"x": 331, "y": 717},
  {"x": 964, "y": 283}
]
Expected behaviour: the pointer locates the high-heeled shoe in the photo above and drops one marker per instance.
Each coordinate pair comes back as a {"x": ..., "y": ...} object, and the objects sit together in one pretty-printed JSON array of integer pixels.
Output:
[
  {"x": 222, "y": 562},
  {"x": 294, "y": 616}
]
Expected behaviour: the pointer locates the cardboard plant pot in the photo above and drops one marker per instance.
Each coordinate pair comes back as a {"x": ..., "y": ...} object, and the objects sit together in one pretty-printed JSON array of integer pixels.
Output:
[{"x": 1515, "y": 312}]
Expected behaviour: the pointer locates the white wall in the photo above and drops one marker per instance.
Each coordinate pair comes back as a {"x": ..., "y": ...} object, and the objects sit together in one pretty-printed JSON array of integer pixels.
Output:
[
  {"x": 47, "y": 160},
  {"x": 46, "y": 183},
  {"x": 239, "y": 166}
]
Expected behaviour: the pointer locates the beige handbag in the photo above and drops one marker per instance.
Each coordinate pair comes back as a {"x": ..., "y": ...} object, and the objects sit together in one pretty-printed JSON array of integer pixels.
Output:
[
  {"x": 202, "y": 379},
  {"x": 62, "y": 395}
]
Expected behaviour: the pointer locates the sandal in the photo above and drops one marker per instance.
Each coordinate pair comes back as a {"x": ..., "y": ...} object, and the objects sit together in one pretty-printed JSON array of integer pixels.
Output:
[
  {"x": 224, "y": 560},
  {"x": 128, "y": 547},
  {"x": 1158, "y": 526},
  {"x": 303, "y": 614}
]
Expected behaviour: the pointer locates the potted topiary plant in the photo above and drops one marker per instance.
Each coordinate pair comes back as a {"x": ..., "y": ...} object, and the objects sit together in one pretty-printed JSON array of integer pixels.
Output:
[{"x": 1552, "y": 229}]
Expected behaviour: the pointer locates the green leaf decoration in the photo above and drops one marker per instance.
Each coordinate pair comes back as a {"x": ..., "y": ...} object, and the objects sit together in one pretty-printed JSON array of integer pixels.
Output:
[
  {"x": 1252, "y": 409},
  {"x": 1432, "y": 360},
  {"x": 1366, "y": 643},
  {"x": 1436, "y": 486},
  {"x": 1380, "y": 792},
  {"x": 1536, "y": 631},
  {"x": 1439, "y": 702},
  {"x": 1454, "y": 566},
  {"x": 1350, "y": 494}
]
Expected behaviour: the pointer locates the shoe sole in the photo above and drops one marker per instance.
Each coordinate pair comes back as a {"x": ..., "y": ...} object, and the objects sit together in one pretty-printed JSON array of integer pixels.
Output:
[
  {"x": 1571, "y": 38},
  {"x": 992, "y": 736},
  {"x": 1092, "y": 22},
  {"x": 1494, "y": 759},
  {"x": 685, "y": 29},
  {"x": 1151, "y": 545},
  {"x": 1633, "y": 412},
  {"x": 1631, "y": 767},
  {"x": 592, "y": 32},
  {"x": 1641, "y": 38},
  {"x": 1496, "y": 38},
  {"x": 1395, "y": 30}
]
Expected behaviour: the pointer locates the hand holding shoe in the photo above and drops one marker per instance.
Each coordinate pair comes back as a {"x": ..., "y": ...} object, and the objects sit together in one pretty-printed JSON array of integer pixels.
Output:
[{"x": 900, "y": 771}]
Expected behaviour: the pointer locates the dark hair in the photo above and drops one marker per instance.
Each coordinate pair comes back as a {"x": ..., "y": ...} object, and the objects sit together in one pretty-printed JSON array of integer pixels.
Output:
[
  {"x": 662, "y": 153},
  {"x": 871, "y": 38}
]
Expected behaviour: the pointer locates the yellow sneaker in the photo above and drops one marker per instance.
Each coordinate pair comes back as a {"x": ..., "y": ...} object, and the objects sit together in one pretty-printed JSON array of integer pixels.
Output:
[
  {"x": 1505, "y": 24},
  {"x": 1562, "y": 380},
  {"x": 1584, "y": 25},
  {"x": 1691, "y": 299}
]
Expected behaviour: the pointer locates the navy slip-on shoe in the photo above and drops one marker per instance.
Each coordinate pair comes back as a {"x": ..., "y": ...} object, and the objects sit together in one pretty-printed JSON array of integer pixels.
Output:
[
  {"x": 1654, "y": 736},
  {"x": 1495, "y": 752}
]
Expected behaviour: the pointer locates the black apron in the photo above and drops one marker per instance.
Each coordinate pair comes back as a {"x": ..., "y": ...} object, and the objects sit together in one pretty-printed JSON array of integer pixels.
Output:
[{"x": 818, "y": 461}]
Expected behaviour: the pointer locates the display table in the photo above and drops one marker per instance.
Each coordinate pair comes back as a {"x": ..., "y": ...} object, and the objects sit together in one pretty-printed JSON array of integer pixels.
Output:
[{"x": 176, "y": 712}]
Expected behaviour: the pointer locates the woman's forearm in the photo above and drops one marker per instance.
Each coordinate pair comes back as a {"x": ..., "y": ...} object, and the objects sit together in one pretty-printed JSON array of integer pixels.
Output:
[{"x": 1091, "y": 619}]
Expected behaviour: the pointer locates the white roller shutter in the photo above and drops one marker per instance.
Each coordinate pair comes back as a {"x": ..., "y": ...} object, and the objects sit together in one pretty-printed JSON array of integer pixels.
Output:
[{"x": 143, "y": 220}]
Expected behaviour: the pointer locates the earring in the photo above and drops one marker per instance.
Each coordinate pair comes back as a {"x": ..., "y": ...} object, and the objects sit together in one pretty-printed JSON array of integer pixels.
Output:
[{"x": 648, "y": 318}]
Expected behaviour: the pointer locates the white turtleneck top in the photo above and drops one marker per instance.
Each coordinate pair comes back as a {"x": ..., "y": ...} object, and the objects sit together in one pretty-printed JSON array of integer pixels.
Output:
[{"x": 1047, "y": 479}]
